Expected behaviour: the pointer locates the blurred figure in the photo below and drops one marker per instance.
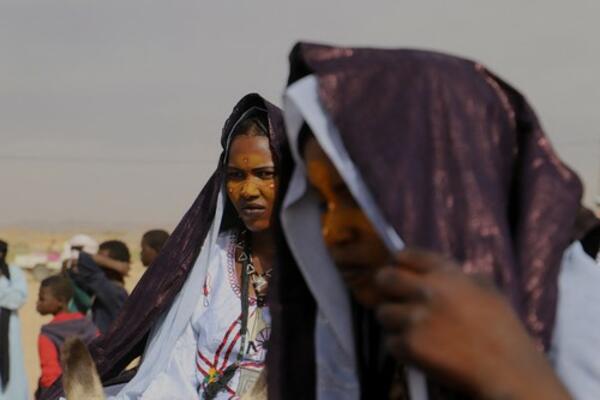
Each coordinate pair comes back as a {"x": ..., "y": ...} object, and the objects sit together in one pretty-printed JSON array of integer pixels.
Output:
[
  {"x": 13, "y": 293},
  {"x": 80, "y": 377},
  {"x": 102, "y": 277},
  {"x": 80, "y": 301},
  {"x": 411, "y": 148},
  {"x": 79, "y": 242},
  {"x": 53, "y": 298},
  {"x": 152, "y": 242}
]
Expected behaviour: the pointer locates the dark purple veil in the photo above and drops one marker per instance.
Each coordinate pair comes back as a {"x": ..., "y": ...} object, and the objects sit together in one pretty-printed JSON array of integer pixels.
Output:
[
  {"x": 457, "y": 162},
  {"x": 126, "y": 338}
]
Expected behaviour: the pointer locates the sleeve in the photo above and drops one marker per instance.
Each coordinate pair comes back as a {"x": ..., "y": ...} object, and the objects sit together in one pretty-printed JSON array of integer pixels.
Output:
[
  {"x": 13, "y": 293},
  {"x": 49, "y": 363},
  {"x": 81, "y": 301},
  {"x": 91, "y": 277},
  {"x": 176, "y": 379}
]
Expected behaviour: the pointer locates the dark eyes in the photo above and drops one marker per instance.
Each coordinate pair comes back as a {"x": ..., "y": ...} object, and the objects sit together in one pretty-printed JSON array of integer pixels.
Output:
[
  {"x": 235, "y": 175},
  {"x": 266, "y": 174}
]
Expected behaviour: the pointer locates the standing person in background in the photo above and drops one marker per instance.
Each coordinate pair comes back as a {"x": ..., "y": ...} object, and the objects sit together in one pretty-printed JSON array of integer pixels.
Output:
[
  {"x": 81, "y": 301},
  {"x": 102, "y": 276},
  {"x": 13, "y": 293},
  {"x": 152, "y": 242}
]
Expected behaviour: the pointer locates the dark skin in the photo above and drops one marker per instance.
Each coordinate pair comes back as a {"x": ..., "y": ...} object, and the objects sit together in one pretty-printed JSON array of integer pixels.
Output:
[
  {"x": 103, "y": 259},
  {"x": 251, "y": 188},
  {"x": 427, "y": 306},
  {"x": 349, "y": 236},
  {"x": 148, "y": 254},
  {"x": 48, "y": 303}
]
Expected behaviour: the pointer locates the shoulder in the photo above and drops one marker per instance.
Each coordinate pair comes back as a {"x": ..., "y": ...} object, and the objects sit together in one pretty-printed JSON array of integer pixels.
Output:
[
  {"x": 227, "y": 238},
  {"x": 227, "y": 234},
  {"x": 575, "y": 348}
]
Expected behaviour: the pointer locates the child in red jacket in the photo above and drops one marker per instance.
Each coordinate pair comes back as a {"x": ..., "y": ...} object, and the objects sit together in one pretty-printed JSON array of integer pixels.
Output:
[{"x": 54, "y": 296}]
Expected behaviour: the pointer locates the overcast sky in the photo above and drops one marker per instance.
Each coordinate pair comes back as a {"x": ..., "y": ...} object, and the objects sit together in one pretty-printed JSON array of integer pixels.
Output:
[{"x": 110, "y": 111}]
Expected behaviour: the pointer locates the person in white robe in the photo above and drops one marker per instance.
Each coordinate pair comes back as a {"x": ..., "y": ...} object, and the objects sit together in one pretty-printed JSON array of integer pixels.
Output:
[{"x": 13, "y": 294}]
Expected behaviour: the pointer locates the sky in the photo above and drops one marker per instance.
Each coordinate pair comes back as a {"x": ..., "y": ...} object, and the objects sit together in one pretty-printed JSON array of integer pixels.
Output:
[{"x": 111, "y": 110}]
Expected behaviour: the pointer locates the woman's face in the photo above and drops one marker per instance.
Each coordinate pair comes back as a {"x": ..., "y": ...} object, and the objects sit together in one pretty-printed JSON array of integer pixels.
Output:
[
  {"x": 355, "y": 247},
  {"x": 252, "y": 181}
]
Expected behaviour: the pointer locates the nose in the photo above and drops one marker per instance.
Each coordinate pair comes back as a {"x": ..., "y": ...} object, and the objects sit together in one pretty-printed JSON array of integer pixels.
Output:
[
  {"x": 249, "y": 190},
  {"x": 336, "y": 229}
]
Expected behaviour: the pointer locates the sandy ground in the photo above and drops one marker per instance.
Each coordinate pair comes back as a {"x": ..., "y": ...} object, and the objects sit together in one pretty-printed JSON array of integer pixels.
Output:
[{"x": 31, "y": 321}]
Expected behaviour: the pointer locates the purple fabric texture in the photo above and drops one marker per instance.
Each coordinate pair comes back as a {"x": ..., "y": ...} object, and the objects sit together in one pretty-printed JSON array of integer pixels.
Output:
[
  {"x": 126, "y": 337},
  {"x": 457, "y": 162}
]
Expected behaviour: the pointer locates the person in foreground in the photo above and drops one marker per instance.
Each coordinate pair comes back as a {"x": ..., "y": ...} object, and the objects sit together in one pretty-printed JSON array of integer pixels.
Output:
[
  {"x": 431, "y": 223},
  {"x": 13, "y": 294},
  {"x": 198, "y": 317}
]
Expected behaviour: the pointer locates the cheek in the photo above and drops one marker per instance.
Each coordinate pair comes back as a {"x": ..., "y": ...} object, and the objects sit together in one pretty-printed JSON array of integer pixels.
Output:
[
  {"x": 269, "y": 191},
  {"x": 232, "y": 192}
]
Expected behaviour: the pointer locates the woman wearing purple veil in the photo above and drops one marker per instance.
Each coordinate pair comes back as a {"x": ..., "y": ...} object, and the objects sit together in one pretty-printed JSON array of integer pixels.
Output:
[
  {"x": 198, "y": 317},
  {"x": 410, "y": 149}
]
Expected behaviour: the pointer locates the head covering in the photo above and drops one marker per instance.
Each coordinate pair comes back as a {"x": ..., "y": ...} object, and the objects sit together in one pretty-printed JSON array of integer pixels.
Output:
[
  {"x": 82, "y": 242},
  {"x": 454, "y": 160},
  {"x": 163, "y": 285}
]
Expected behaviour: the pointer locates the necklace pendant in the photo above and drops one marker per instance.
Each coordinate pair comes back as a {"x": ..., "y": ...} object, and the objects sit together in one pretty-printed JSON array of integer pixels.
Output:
[{"x": 260, "y": 283}]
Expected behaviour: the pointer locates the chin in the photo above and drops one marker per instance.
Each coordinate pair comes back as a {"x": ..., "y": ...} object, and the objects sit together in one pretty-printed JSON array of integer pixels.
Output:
[{"x": 257, "y": 226}]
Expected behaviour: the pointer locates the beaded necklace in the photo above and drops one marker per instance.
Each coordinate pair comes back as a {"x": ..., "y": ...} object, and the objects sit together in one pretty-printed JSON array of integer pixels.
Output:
[{"x": 259, "y": 282}]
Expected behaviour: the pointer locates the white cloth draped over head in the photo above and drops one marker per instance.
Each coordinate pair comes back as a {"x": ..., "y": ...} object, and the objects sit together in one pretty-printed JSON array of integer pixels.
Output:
[{"x": 575, "y": 350}]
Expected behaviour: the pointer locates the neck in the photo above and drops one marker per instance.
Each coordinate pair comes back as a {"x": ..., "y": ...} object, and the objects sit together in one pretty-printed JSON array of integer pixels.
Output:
[
  {"x": 63, "y": 309},
  {"x": 263, "y": 247}
]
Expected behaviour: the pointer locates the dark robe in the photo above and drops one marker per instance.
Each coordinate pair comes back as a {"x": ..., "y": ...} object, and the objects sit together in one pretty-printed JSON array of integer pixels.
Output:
[
  {"x": 126, "y": 338},
  {"x": 457, "y": 162},
  {"x": 4, "y": 326},
  {"x": 109, "y": 296}
]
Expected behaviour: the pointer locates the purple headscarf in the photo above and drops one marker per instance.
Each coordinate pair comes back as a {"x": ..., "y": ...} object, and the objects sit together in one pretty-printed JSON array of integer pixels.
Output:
[{"x": 457, "y": 162}]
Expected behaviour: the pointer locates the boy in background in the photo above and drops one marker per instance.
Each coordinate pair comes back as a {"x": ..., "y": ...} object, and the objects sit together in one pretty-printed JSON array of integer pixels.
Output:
[
  {"x": 102, "y": 277},
  {"x": 152, "y": 243},
  {"x": 53, "y": 298}
]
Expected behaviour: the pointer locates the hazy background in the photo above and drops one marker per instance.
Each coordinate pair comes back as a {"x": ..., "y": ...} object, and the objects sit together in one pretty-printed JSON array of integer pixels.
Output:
[{"x": 110, "y": 111}]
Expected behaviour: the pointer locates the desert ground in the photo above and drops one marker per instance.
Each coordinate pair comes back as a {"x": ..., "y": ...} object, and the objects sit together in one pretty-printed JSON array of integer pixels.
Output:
[{"x": 22, "y": 241}]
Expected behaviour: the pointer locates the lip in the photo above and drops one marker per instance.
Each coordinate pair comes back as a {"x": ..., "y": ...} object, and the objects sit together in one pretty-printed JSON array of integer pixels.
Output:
[{"x": 253, "y": 210}]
